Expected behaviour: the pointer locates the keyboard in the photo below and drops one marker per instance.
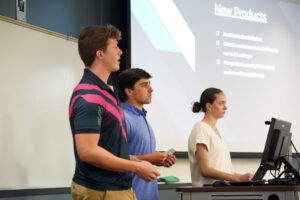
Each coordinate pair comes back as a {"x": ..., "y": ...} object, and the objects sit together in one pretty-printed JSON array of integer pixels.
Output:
[{"x": 247, "y": 183}]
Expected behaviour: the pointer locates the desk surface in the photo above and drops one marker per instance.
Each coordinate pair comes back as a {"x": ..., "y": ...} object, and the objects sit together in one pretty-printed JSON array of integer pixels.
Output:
[{"x": 239, "y": 188}]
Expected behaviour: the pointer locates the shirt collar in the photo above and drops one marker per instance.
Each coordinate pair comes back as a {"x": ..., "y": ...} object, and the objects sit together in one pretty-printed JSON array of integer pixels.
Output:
[
  {"x": 134, "y": 109},
  {"x": 95, "y": 79}
]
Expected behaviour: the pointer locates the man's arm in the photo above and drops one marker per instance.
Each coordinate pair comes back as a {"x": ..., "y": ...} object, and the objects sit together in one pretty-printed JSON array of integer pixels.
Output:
[
  {"x": 156, "y": 158},
  {"x": 89, "y": 151},
  {"x": 134, "y": 158}
]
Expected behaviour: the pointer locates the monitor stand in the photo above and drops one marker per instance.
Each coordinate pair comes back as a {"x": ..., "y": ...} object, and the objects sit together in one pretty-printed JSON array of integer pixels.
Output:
[{"x": 289, "y": 169}]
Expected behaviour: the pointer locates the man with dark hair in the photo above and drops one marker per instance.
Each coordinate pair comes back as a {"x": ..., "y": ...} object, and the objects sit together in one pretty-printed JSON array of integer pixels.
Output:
[
  {"x": 134, "y": 87},
  {"x": 103, "y": 164}
]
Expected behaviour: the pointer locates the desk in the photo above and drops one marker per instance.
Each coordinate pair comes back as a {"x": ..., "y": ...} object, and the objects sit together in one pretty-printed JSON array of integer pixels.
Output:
[
  {"x": 165, "y": 192},
  {"x": 262, "y": 192}
]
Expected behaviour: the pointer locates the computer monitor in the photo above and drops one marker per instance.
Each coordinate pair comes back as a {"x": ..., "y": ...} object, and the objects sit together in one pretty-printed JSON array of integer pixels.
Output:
[
  {"x": 276, "y": 149},
  {"x": 277, "y": 143}
]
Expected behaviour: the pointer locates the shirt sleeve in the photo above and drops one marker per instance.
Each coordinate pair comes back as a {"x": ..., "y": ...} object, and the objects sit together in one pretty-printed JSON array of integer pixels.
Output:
[
  {"x": 202, "y": 136},
  {"x": 87, "y": 117}
]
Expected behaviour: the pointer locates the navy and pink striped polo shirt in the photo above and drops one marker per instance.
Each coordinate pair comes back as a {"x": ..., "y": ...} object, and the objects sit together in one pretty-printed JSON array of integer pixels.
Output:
[{"x": 95, "y": 108}]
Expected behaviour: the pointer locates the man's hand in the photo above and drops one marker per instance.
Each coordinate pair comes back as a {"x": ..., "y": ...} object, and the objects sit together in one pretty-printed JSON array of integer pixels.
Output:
[
  {"x": 169, "y": 161},
  {"x": 146, "y": 171},
  {"x": 158, "y": 158}
]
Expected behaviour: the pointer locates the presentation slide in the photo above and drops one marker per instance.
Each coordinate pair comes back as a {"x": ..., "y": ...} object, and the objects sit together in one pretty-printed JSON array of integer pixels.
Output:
[{"x": 250, "y": 49}]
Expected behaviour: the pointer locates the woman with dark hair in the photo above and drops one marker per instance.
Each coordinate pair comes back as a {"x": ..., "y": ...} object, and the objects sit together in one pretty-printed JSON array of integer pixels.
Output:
[{"x": 208, "y": 152}]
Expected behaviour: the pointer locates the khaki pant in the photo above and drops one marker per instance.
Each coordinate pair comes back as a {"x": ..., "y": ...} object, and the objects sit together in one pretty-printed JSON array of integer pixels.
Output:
[{"x": 80, "y": 192}]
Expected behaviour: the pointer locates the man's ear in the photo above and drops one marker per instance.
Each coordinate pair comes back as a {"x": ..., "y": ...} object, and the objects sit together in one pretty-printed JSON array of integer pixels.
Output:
[
  {"x": 128, "y": 91},
  {"x": 99, "y": 54}
]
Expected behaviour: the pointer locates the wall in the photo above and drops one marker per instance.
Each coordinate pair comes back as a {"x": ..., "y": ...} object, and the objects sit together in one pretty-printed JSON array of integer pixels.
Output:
[{"x": 69, "y": 17}]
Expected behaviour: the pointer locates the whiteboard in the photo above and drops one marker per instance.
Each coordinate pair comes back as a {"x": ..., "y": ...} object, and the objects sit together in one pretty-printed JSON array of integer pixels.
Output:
[{"x": 38, "y": 72}]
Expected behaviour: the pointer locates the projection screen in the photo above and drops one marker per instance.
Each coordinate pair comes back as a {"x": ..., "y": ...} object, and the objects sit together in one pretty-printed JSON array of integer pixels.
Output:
[{"x": 249, "y": 49}]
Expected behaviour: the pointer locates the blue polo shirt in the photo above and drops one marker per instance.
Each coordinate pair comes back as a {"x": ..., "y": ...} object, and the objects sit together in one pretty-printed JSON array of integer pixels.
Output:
[
  {"x": 95, "y": 108},
  {"x": 141, "y": 141}
]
